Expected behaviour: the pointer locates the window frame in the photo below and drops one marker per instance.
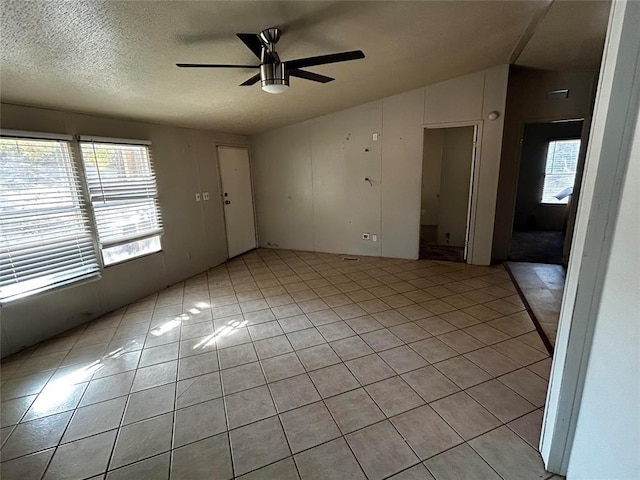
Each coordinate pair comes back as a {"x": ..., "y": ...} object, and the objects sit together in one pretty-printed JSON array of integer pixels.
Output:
[
  {"x": 89, "y": 139},
  {"x": 541, "y": 201}
]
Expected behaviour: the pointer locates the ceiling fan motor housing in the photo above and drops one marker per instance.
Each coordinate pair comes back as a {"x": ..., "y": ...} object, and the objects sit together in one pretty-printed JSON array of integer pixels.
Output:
[{"x": 274, "y": 74}]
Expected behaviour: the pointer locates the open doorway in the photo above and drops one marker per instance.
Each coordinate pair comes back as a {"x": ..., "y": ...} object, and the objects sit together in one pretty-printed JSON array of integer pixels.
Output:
[
  {"x": 447, "y": 169},
  {"x": 549, "y": 166}
]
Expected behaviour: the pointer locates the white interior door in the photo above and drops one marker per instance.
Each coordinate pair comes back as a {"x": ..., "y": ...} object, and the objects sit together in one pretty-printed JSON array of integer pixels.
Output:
[{"x": 237, "y": 196}]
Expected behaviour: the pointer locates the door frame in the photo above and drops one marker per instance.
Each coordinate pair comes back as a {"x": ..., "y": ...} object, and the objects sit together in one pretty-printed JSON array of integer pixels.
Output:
[
  {"x": 221, "y": 195},
  {"x": 472, "y": 205},
  {"x": 584, "y": 142}
]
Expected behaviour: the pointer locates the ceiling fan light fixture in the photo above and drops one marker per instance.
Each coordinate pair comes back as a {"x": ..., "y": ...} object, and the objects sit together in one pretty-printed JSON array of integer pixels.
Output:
[{"x": 274, "y": 78}]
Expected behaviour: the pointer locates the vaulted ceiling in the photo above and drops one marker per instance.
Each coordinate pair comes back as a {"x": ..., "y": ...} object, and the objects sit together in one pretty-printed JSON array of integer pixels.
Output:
[{"x": 117, "y": 58}]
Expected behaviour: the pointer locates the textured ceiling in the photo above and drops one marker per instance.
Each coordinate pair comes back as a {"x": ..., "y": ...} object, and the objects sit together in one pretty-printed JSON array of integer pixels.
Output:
[{"x": 117, "y": 58}]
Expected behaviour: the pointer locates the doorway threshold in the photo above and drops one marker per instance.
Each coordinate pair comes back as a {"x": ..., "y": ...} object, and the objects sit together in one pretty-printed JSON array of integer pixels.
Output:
[{"x": 541, "y": 287}]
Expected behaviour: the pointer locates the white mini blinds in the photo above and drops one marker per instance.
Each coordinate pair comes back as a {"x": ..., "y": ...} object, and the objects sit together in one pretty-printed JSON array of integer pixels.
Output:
[
  {"x": 45, "y": 233},
  {"x": 124, "y": 197}
]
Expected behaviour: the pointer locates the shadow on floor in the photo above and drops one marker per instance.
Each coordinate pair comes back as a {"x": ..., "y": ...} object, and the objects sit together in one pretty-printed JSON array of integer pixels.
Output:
[
  {"x": 537, "y": 247},
  {"x": 430, "y": 250}
]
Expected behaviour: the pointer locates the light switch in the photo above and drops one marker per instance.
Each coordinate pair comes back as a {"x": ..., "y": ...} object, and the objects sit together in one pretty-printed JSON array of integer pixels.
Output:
[{"x": 375, "y": 137}]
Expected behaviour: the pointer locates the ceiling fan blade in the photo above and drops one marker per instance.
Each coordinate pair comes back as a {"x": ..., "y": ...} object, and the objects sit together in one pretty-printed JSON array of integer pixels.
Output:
[
  {"x": 324, "y": 59},
  {"x": 253, "y": 42},
  {"x": 213, "y": 65},
  {"x": 309, "y": 76},
  {"x": 251, "y": 81}
]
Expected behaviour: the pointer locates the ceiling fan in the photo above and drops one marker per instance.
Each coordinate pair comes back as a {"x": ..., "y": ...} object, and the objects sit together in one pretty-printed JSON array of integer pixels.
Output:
[{"x": 274, "y": 74}]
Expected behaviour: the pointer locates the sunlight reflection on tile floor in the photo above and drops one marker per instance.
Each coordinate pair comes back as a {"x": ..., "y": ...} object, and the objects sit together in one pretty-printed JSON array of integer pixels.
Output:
[{"x": 286, "y": 365}]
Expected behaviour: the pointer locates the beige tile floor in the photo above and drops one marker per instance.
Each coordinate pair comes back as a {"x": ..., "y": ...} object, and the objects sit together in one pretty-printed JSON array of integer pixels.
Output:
[
  {"x": 542, "y": 286},
  {"x": 286, "y": 365}
]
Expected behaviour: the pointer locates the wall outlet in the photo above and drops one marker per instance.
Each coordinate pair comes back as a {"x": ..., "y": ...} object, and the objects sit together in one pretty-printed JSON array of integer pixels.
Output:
[
  {"x": 374, "y": 237},
  {"x": 365, "y": 236},
  {"x": 197, "y": 197},
  {"x": 205, "y": 196}
]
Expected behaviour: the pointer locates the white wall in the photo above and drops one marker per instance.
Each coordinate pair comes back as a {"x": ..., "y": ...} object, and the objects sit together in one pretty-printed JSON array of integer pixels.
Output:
[
  {"x": 607, "y": 437},
  {"x": 457, "y": 156},
  {"x": 309, "y": 177},
  {"x": 185, "y": 163},
  {"x": 591, "y": 426}
]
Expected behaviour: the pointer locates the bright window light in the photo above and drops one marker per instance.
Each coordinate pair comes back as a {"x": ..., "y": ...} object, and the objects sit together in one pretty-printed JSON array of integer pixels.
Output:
[
  {"x": 560, "y": 171},
  {"x": 124, "y": 197},
  {"x": 45, "y": 234}
]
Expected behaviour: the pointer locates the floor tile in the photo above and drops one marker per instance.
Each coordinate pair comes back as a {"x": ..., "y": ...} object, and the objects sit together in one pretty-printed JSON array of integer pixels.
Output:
[
  {"x": 492, "y": 361},
  {"x": 285, "y": 311},
  {"x": 460, "y": 341},
  {"x": 293, "y": 392},
  {"x": 160, "y": 354},
  {"x": 36, "y": 435},
  {"x": 282, "y": 366},
  {"x": 329, "y": 461},
  {"x": 30, "y": 466},
  {"x": 503, "y": 402},
  {"x": 13, "y": 410},
  {"x": 309, "y": 426},
  {"x": 509, "y": 455},
  {"x": 403, "y": 359},
  {"x": 323, "y": 317},
  {"x": 142, "y": 440},
  {"x": 335, "y": 331},
  {"x": 418, "y": 472},
  {"x": 55, "y": 398},
  {"x": 149, "y": 403},
  {"x": 265, "y": 330},
  {"x": 350, "y": 348},
  {"x": 305, "y": 338},
  {"x": 519, "y": 352},
  {"x": 528, "y": 385},
  {"x": 433, "y": 350},
  {"x": 394, "y": 396},
  {"x": 542, "y": 368},
  {"x": 249, "y": 406},
  {"x": 435, "y": 325},
  {"x": 198, "y": 422},
  {"x": 463, "y": 372},
  {"x": 293, "y": 324},
  {"x": 465, "y": 415},
  {"x": 460, "y": 463},
  {"x": 409, "y": 332},
  {"x": 353, "y": 410},
  {"x": 155, "y": 375},
  {"x": 237, "y": 355},
  {"x": 369, "y": 369},
  {"x": 198, "y": 389},
  {"x": 270, "y": 347},
  {"x": 241, "y": 378},
  {"x": 208, "y": 458},
  {"x": 390, "y": 318},
  {"x": 528, "y": 427},
  {"x": 381, "y": 340},
  {"x": 346, "y": 312},
  {"x": 257, "y": 445},
  {"x": 425, "y": 431},
  {"x": 430, "y": 383},
  {"x": 333, "y": 380},
  {"x": 82, "y": 458},
  {"x": 282, "y": 470},
  {"x": 317, "y": 357},
  {"x": 381, "y": 450},
  {"x": 364, "y": 324},
  {"x": 96, "y": 418}
]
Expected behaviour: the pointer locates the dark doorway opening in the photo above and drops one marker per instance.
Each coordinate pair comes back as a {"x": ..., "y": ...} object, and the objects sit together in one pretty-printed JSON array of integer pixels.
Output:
[{"x": 549, "y": 166}]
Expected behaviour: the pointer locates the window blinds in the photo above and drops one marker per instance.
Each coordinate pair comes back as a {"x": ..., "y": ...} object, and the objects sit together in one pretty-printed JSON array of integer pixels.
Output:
[
  {"x": 123, "y": 193},
  {"x": 45, "y": 233}
]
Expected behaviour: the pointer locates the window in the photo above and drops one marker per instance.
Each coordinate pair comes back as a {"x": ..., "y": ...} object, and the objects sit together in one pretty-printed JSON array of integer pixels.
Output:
[
  {"x": 45, "y": 234},
  {"x": 560, "y": 171},
  {"x": 124, "y": 197}
]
